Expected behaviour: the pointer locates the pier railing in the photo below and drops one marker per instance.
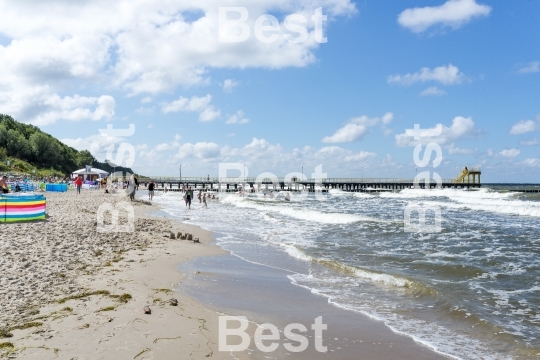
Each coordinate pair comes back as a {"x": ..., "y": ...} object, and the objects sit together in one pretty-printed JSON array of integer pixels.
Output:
[{"x": 161, "y": 179}]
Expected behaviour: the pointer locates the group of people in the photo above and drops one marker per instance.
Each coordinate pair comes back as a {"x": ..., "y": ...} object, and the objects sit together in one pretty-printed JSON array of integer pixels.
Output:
[
  {"x": 133, "y": 185},
  {"x": 188, "y": 197}
]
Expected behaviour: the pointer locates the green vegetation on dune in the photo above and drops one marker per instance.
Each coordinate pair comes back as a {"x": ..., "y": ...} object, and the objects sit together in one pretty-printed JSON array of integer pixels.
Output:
[{"x": 28, "y": 148}]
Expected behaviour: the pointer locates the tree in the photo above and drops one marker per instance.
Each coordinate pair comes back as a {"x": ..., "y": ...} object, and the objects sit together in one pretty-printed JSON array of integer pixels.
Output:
[
  {"x": 3, "y": 135},
  {"x": 45, "y": 150},
  {"x": 84, "y": 158},
  {"x": 18, "y": 146},
  {"x": 3, "y": 154}
]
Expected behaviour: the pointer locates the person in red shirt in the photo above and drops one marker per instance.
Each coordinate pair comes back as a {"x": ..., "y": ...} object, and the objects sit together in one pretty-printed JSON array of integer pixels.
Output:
[{"x": 78, "y": 184}]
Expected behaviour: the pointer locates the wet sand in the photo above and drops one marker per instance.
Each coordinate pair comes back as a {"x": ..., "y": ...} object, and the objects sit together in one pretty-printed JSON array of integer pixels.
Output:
[{"x": 265, "y": 295}]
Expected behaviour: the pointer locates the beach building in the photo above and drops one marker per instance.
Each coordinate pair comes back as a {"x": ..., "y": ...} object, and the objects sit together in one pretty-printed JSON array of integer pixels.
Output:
[{"x": 90, "y": 173}]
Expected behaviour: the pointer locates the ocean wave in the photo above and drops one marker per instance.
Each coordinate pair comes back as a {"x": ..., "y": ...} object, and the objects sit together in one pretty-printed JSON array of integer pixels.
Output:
[
  {"x": 506, "y": 207},
  {"x": 299, "y": 213},
  {"x": 449, "y": 193},
  {"x": 375, "y": 277},
  {"x": 481, "y": 200},
  {"x": 363, "y": 195}
]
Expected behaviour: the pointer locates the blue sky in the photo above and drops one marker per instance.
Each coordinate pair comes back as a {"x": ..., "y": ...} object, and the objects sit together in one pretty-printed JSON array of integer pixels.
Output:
[{"x": 472, "y": 66}]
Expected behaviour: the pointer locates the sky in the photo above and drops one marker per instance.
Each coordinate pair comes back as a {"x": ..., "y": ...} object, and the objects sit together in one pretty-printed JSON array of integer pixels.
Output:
[{"x": 337, "y": 83}]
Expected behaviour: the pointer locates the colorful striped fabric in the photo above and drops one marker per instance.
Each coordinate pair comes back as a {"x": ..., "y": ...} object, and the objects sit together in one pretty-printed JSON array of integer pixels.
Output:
[{"x": 16, "y": 207}]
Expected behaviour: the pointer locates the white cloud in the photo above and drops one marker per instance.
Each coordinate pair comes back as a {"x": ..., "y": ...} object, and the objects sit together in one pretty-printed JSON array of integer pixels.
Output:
[
  {"x": 432, "y": 91},
  {"x": 453, "y": 13},
  {"x": 231, "y": 134},
  {"x": 523, "y": 127},
  {"x": 360, "y": 156},
  {"x": 145, "y": 110},
  {"x": 200, "y": 150},
  {"x": 446, "y": 75},
  {"x": 146, "y": 46},
  {"x": 96, "y": 144},
  {"x": 40, "y": 106},
  {"x": 387, "y": 118},
  {"x": 532, "y": 67},
  {"x": 531, "y": 162},
  {"x": 338, "y": 155},
  {"x": 209, "y": 114},
  {"x": 453, "y": 149},
  {"x": 237, "y": 118},
  {"x": 357, "y": 128},
  {"x": 146, "y": 100},
  {"x": 531, "y": 142},
  {"x": 202, "y": 105},
  {"x": 461, "y": 127},
  {"x": 195, "y": 104},
  {"x": 229, "y": 85},
  {"x": 348, "y": 133},
  {"x": 163, "y": 147},
  {"x": 509, "y": 153}
]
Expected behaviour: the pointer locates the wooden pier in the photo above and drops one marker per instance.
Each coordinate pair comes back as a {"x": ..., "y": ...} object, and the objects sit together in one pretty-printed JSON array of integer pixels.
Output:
[{"x": 311, "y": 185}]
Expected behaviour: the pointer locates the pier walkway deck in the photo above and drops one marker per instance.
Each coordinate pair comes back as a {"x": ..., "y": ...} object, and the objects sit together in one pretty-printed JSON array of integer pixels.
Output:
[{"x": 311, "y": 185}]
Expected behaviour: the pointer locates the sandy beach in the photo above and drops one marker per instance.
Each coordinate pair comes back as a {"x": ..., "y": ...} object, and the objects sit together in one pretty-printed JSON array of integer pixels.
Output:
[{"x": 70, "y": 292}]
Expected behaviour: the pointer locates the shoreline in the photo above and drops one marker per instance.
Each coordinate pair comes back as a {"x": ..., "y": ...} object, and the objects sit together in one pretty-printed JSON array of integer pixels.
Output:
[{"x": 222, "y": 282}]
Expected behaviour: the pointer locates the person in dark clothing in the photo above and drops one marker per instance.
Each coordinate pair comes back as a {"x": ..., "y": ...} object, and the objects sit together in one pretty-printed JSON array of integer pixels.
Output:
[
  {"x": 189, "y": 196},
  {"x": 151, "y": 186}
]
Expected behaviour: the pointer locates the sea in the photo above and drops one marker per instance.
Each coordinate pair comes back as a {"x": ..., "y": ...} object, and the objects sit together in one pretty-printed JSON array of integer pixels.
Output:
[{"x": 470, "y": 290}]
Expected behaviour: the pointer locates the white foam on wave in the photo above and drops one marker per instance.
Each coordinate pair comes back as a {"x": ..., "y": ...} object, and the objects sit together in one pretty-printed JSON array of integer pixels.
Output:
[
  {"x": 296, "y": 253},
  {"x": 506, "y": 207},
  {"x": 298, "y": 213},
  {"x": 449, "y": 193},
  {"x": 374, "y": 277},
  {"x": 363, "y": 195},
  {"x": 481, "y": 200}
]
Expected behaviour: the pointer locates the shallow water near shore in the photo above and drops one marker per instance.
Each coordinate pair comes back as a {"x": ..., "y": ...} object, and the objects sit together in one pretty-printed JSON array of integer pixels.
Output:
[{"x": 470, "y": 291}]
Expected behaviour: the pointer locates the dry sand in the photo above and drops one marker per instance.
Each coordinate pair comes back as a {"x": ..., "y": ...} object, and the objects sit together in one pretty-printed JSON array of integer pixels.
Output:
[{"x": 43, "y": 264}]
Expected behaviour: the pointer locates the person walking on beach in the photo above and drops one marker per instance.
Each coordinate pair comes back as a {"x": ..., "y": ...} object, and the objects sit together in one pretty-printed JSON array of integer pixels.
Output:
[
  {"x": 78, "y": 184},
  {"x": 189, "y": 195},
  {"x": 151, "y": 190},
  {"x": 131, "y": 187}
]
